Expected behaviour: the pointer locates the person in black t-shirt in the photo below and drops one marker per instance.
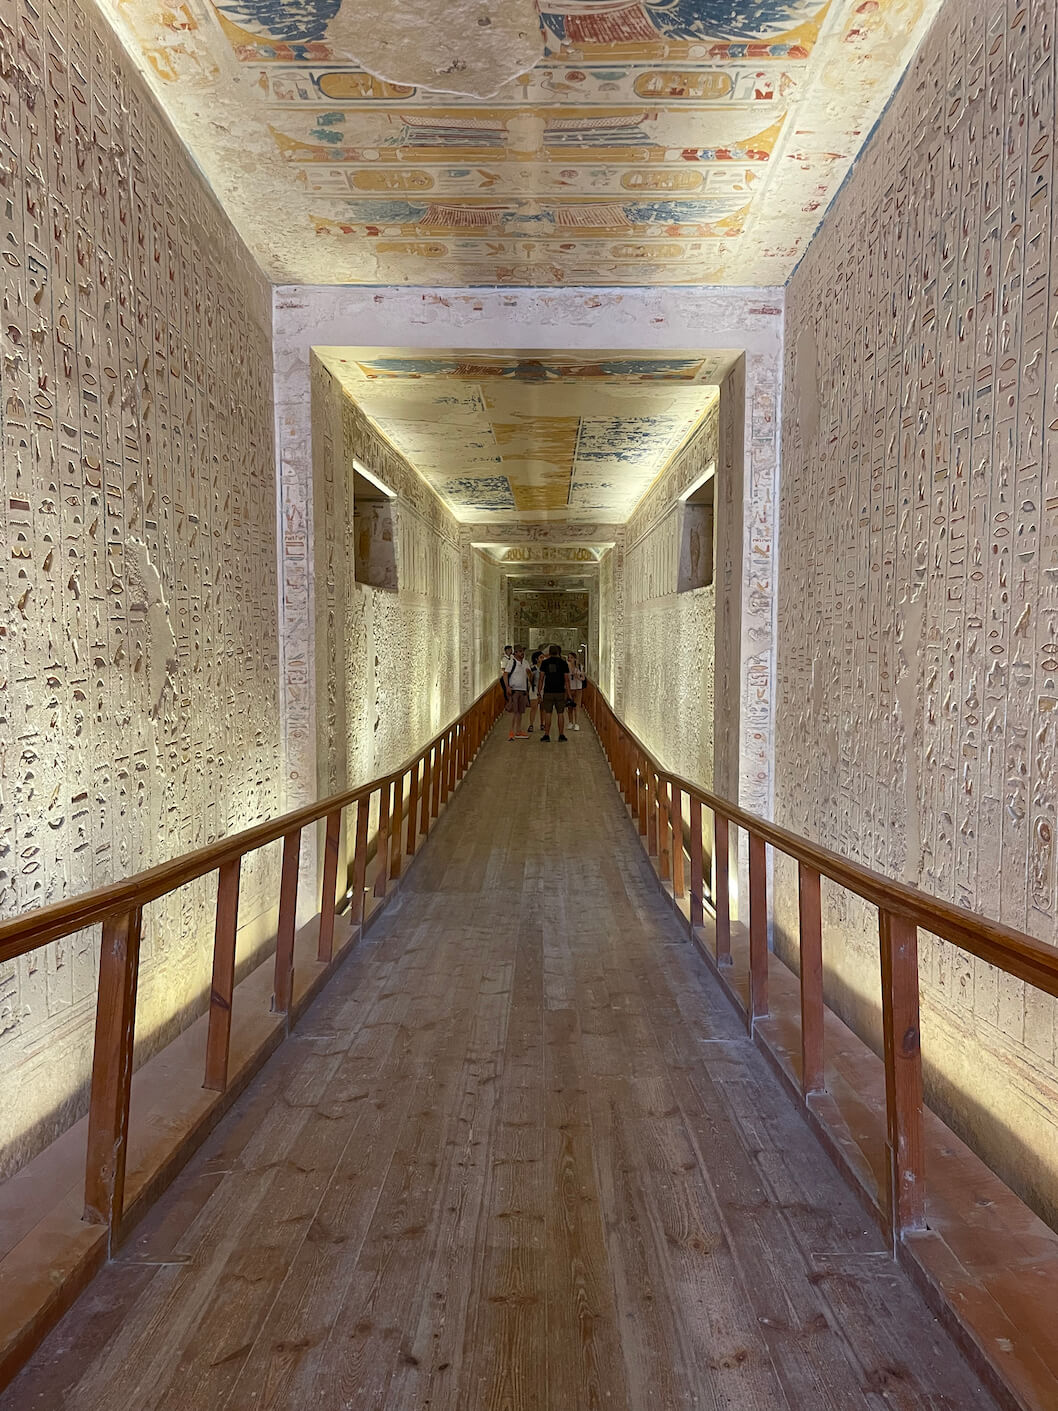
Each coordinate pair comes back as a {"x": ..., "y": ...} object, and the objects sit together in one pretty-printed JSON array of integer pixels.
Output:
[{"x": 554, "y": 689}]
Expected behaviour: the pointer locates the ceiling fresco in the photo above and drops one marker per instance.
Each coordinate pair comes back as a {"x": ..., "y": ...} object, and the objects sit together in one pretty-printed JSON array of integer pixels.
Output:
[
  {"x": 489, "y": 142},
  {"x": 548, "y": 437}
]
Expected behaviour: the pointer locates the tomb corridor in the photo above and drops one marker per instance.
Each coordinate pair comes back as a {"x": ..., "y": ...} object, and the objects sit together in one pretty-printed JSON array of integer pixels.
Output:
[
  {"x": 520, "y": 1152},
  {"x": 377, "y": 382}
]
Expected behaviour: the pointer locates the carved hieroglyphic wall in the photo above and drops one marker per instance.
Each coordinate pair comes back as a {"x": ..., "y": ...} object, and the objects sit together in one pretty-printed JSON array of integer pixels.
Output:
[
  {"x": 490, "y": 620},
  {"x": 608, "y": 620},
  {"x": 918, "y": 603},
  {"x": 138, "y": 663},
  {"x": 665, "y": 640},
  {"x": 546, "y": 617},
  {"x": 388, "y": 662}
]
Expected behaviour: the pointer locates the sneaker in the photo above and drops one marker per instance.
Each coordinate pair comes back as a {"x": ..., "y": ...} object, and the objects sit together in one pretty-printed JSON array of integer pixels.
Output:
[
  {"x": 511, "y": 735},
  {"x": 576, "y": 727},
  {"x": 545, "y": 739},
  {"x": 562, "y": 737},
  {"x": 521, "y": 736},
  {"x": 531, "y": 728}
]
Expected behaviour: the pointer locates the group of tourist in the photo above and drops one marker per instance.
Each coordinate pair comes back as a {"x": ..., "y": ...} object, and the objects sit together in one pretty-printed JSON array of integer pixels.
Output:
[{"x": 546, "y": 684}]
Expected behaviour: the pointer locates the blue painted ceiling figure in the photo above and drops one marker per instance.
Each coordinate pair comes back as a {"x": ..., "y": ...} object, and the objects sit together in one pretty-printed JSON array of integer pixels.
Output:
[
  {"x": 610, "y": 21},
  {"x": 287, "y": 20}
]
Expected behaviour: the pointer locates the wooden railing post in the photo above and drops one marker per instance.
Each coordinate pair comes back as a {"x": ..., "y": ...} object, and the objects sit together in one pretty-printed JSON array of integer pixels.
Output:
[
  {"x": 108, "y": 1112},
  {"x": 664, "y": 831},
  {"x": 758, "y": 927},
  {"x": 438, "y": 775},
  {"x": 283, "y": 983},
  {"x": 652, "y": 813},
  {"x": 413, "y": 808},
  {"x": 905, "y": 1165},
  {"x": 395, "y": 821},
  {"x": 382, "y": 839},
  {"x": 325, "y": 947},
  {"x": 676, "y": 824},
  {"x": 811, "y": 944},
  {"x": 427, "y": 789},
  {"x": 722, "y": 889},
  {"x": 218, "y": 1036},
  {"x": 359, "y": 882},
  {"x": 642, "y": 807},
  {"x": 450, "y": 773},
  {"x": 697, "y": 868}
]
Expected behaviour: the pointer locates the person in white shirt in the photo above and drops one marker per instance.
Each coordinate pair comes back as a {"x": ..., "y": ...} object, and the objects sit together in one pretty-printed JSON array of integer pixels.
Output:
[
  {"x": 516, "y": 684},
  {"x": 506, "y": 662}
]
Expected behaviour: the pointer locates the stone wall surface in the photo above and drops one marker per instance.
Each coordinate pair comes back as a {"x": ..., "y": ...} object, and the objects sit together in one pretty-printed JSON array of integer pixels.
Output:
[
  {"x": 540, "y": 618},
  {"x": 388, "y": 660},
  {"x": 138, "y": 658},
  {"x": 918, "y": 597},
  {"x": 490, "y": 627},
  {"x": 609, "y": 574},
  {"x": 664, "y": 641}
]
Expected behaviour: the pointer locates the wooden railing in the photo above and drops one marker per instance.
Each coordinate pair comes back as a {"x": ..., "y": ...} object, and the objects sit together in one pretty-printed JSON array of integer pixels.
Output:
[
  {"x": 655, "y": 798},
  {"x": 408, "y": 799}
]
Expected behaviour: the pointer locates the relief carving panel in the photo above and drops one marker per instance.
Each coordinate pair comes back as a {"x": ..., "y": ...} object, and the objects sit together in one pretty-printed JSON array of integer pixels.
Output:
[
  {"x": 138, "y": 671},
  {"x": 918, "y": 603}
]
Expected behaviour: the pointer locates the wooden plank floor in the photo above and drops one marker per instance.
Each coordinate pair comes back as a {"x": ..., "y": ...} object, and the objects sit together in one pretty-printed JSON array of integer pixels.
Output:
[{"x": 519, "y": 1155}]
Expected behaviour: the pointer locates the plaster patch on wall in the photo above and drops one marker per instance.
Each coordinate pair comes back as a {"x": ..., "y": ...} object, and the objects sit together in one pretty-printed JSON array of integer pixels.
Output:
[{"x": 147, "y": 599}]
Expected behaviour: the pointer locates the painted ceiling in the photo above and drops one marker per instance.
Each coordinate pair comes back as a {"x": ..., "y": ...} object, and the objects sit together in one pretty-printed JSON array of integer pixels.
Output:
[
  {"x": 489, "y": 142},
  {"x": 544, "y": 436}
]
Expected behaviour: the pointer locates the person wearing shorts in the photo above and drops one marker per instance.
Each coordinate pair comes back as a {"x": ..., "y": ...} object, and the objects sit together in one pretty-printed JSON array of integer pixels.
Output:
[
  {"x": 516, "y": 684},
  {"x": 576, "y": 686},
  {"x": 534, "y": 691},
  {"x": 554, "y": 688}
]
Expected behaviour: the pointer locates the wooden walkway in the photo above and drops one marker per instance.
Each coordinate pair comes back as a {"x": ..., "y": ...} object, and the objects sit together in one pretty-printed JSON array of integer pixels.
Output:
[{"x": 519, "y": 1155}]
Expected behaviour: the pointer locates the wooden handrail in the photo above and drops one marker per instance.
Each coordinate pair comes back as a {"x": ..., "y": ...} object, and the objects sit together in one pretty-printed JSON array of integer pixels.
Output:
[
  {"x": 648, "y": 788},
  {"x": 119, "y": 907},
  {"x": 1004, "y": 947},
  {"x": 32, "y": 929}
]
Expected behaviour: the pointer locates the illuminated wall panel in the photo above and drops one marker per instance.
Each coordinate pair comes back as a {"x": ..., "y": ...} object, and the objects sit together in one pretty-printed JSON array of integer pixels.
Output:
[
  {"x": 138, "y": 660},
  {"x": 662, "y": 648},
  {"x": 389, "y": 665},
  {"x": 918, "y": 601}
]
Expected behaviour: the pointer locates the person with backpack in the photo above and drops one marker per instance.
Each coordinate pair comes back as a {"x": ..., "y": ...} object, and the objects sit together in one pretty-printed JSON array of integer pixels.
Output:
[
  {"x": 516, "y": 688},
  {"x": 554, "y": 689}
]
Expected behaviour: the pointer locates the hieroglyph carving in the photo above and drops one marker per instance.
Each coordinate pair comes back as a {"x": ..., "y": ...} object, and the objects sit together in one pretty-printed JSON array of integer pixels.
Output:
[
  {"x": 138, "y": 673},
  {"x": 663, "y": 644},
  {"x": 918, "y": 676}
]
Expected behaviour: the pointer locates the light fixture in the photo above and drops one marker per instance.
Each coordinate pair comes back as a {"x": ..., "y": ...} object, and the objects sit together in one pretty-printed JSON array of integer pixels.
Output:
[
  {"x": 368, "y": 475},
  {"x": 696, "y": 485}
]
